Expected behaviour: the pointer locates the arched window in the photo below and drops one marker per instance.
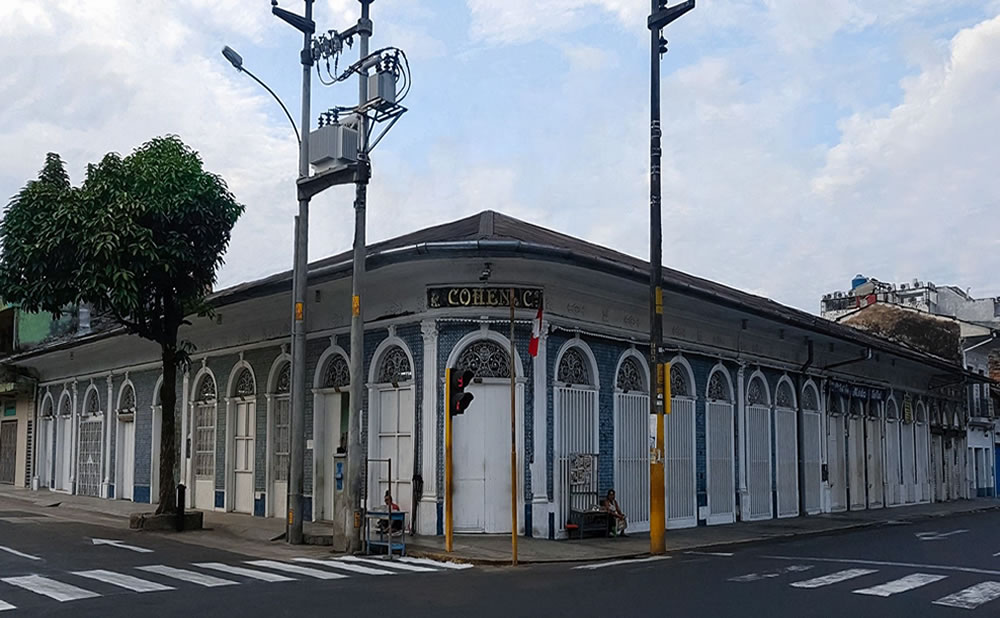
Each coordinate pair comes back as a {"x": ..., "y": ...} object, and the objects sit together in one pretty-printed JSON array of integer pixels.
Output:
[
  {"x": 245, "y": 386},
  {"x": 718, "y": 387},
  {"x": 835, "y": 407},
  {"x": 630, "y": 378},
  {"x": 206, "y": 390},
  {"x": 394, "y": 367},
  {"x": 810, "y": 401},
  {"x": 47, "y": 408},
  {"x": 338, "y": 372},
  {"x": 891, "y": 410},
  {"x": 857, "y": 407},
  {"x": 485, "y": 359},
  {"x": 680, "y": 383},
  {"x": 126, "y": 403},
  {"x": 284, "y": 384},
  {"x": 757, "y": 392},
  {"x": 93, "y": 407},
  {"x": 783, "y": 397},
  {"x": 573, "y": 369},
  {"x": 65, "y": 406}
]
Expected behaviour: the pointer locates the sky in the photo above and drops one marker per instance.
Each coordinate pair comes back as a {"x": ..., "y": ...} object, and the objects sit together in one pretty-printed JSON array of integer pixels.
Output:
[{"x": 804, "y": 142}]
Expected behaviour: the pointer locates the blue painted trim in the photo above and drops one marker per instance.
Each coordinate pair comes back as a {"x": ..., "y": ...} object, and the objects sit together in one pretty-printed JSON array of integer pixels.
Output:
[
  {"x": 140, "y": 493},
  {"x": 258, "y": 506},
  {"x": 307, "y": 506},
  {"x": 220, "y": 499},
  {"x": 111, "y": 491},
  {"x": 440, "y": 519}
]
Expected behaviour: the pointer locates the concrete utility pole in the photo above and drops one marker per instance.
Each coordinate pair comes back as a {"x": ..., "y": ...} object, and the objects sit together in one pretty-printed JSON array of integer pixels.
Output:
[
  {"x": 355, "y": 463},
  {"x": 659, "y": 385}
]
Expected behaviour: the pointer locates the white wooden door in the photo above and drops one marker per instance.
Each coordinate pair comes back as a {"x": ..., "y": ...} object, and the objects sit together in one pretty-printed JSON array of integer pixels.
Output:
[
  {"x": 394, "y": 441},
  {"x": 836, "y": 436},
  {"x": 679, "y": 462},
  {"x": 786, "y": 457},
  {"x": 632, "y": 458},
  {"x": 90, "y": 456},
  {"x": 721, "y": 466},
  {"x": 922, "y": 438},
  {"x": 481, "y": 460},
  {"x": 873, "y": 463},
  {"x": 280, "y": 447},
  {"x": 957, "y": 468},
  {"x": 127, "y": 456},
  {"x": 333, "y": 404},
  {"x": 856, "y": 462},
  {"x": 64, "y": 451},
  {"x": 576, "y": 434},
  {"x": 243, "y": 456},
  {"x": 893, "y": 485},
  {"x": 908, "y": 463},
  {"x": 204, "y": 456},
  {"x": 45, "y": 452},
  {"x": 759, "y": 461},
  {"x": 812, "y": 461}
]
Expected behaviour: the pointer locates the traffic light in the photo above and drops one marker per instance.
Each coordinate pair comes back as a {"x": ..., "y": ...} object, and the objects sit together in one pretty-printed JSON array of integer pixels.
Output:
[{"x": 458, "y": 399}]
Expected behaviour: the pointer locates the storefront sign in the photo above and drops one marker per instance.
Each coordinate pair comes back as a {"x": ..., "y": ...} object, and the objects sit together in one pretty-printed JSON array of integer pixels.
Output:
[
  {"x": 840, "y": 388},
  {"x": 530, "y": 298}
]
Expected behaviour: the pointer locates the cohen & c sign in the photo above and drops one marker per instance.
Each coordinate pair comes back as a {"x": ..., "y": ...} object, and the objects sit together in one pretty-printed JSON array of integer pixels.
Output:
[{"x": 468, "y": 296}]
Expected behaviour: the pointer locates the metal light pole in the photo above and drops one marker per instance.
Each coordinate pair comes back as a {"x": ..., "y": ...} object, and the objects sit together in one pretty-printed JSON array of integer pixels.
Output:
[
  {"x": 659, "y": 390},
  {"x": 355, "y": 462}
]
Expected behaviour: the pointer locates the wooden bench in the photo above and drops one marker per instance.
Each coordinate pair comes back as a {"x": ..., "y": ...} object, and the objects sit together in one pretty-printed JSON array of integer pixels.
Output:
[{"x": 588, "y": 522}]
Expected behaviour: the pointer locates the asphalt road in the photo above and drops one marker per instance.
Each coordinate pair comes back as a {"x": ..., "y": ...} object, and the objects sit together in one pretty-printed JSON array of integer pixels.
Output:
[{"x": 50, "y": 566}]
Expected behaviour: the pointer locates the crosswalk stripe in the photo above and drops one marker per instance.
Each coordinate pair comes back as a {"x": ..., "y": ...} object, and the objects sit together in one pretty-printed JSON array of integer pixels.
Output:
[
  {"x": 184, "y": 575},
  {"x": 971, "y": 597},
  {"x": 392, "y": 564},
  {"x": 294, "y": 568},
  {"x": 4, "y": 606},
  {"x": 123, "y": 581},
  {"x": 833, "y": 578},
  {"x": 355, "y": 568},
  {"x": 51, "y": 588},
  {"x": 752, "y": 577},
  {"x": 251, "y": 573},
  {"x": 901, "y": 585},
  {"x": 436, "y": 563}
]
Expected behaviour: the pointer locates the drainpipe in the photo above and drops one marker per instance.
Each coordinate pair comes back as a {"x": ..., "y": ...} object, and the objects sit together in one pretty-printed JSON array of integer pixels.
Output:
[
  {"x": 741, "y": 420},
  {"x": 800, "y": 383}
]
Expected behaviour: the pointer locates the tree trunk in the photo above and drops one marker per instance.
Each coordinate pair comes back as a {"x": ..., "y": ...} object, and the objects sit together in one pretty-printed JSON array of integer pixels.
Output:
[{"x": 168, "y": 444}]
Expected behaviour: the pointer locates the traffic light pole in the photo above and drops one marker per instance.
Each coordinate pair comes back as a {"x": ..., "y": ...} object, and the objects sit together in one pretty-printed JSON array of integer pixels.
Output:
[{"x": 448, "y": 528}]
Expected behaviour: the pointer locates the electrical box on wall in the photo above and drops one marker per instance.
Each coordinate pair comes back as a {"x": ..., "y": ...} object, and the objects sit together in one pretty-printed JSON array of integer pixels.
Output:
[{"x": 382, "y": 85}]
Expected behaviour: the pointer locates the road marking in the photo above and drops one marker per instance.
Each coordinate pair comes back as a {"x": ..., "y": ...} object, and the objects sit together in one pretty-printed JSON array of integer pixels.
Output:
[
  {"x": 724, "y": 554},
  {"x": 235, "y": 570},
  {"x": 122, "y": 545},
  {"x": 601, "y": 565},
  {"x": 437, "y": 563},
  {"x": 18, "y": 553},
  {"x": 752, "y": 577},
  {"x": 294, "y": 568},
  {"x": 833, "y": 578},
  {"x": 184, "y": 575},
  {"x": 355, "y": 568},
  {"x": 936, "y": 567},
  {"x": 51, "y": 588},
  {"x": 4, "y": 606},
  {"x": 971, "y": 597},
  {"x": 937, "y": 536},
  {"x": 901, "y": 585},
  {"x": 996, "y": 554},
  {"x": 123, "y": 581},
  {"x": 390, "y": 564}
]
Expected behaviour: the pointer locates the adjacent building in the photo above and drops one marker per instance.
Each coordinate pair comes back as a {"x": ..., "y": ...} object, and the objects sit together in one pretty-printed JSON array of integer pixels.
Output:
[{"x": 775, "y": 412}]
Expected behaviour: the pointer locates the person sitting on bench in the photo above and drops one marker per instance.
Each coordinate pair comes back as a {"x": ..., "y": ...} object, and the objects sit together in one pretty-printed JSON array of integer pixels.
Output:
[
  {"x": 616, "y": 519},
  {"x": 383, "y": 524}
]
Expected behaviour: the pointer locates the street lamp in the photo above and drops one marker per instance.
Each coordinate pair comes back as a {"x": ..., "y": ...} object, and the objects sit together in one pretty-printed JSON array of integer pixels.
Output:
[
  {"x": 237, "y": 61},
  {"x": 661, "y": 15}
]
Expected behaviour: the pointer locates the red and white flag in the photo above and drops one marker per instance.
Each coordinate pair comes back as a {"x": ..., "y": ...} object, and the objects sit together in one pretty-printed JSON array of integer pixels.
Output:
[{"x": 536, "y": 333}]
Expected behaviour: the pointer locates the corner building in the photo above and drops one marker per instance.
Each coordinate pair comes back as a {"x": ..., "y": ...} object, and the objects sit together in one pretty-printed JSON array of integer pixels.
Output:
[{"x": 775, "y": 412}]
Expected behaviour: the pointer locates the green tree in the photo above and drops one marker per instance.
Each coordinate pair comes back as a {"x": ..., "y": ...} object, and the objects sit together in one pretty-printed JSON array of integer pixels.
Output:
[{"x": 140, "y": 241}]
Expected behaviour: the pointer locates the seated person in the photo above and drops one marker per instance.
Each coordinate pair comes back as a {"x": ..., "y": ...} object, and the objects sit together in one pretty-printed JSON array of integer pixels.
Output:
[
  {"x": 616, "y": 521},
  {"x": 383, "y": 524}
]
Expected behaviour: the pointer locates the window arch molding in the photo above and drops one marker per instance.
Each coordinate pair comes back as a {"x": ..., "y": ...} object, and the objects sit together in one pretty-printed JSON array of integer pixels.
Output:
[
  {"x": 758, "y": 377},
  {"x": 199, "y": 377},
  {"x": 681, "y": 364},
  {"x": 120, "y": 397},
  {"x": 65, "y": 403},
  {"x": 387, "y": 344},
  {"x": 319, "y": 375},
  {"x": 91, "y": 395},
  {"x": 580, "y": 346},
  {"x": 920, "y": 412},
  {"x": 277, "y": 366},
  {"x": 235, "y": 375},
  {"x": 49, "y": 401},
  {"x": 479, "y": 335},
  {"x": 811, "y": 388},
  {"x": 727, "y": 384},
  {"x": 640, "y": 360},
  {"x": 892, "y": 411},
  {"x": 156, "y": 392},
  {"x": 786, "y": 382}
]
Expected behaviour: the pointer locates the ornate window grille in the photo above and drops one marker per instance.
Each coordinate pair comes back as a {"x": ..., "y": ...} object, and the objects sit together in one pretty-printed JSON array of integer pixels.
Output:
[
  {"x": 485, "y": 359},
  {"x": 394, "y": 367},
  {"x": 718, "y": 388},
  {"x": 127, "y": 403},
  {"x": 206, "y": 390},
  {"x": 809, "y": 399},
  {"x": 93, "y": 405},
  {"x": 338, "y": 372},
  {"x": 679, "y": 383},
  {"x": 244, "y": 384},
  {"x": 47, "y": 409},
  {"x": 630, "y": 376},
  {"x": 284, "y": 384},
  {"x": 756, "y": 393},
  {"x": 64, "y": 406},
  {"x": 783, "y": 398},
  {"x": 573, "y": 369}
]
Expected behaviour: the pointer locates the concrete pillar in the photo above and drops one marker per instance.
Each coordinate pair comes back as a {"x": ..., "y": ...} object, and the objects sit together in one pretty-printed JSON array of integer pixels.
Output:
[
  {"x": 426, "y": 509},
  {"x": 540, "y": 505}
]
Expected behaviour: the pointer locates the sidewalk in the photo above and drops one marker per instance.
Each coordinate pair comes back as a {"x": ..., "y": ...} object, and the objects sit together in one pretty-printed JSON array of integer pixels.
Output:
[{"x": 495, "y": 549}]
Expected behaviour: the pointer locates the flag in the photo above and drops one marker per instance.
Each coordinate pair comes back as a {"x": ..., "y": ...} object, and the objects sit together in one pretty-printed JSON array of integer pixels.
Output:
[{"x": 536, "y": 333}]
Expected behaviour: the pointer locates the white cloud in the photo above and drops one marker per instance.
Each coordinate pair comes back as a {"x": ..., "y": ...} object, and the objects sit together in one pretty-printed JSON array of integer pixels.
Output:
[{"x": 518, "y": 21}]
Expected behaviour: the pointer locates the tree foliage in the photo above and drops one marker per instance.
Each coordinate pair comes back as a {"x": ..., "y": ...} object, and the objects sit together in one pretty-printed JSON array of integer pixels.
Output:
[{"x": 140, "y": 240}]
